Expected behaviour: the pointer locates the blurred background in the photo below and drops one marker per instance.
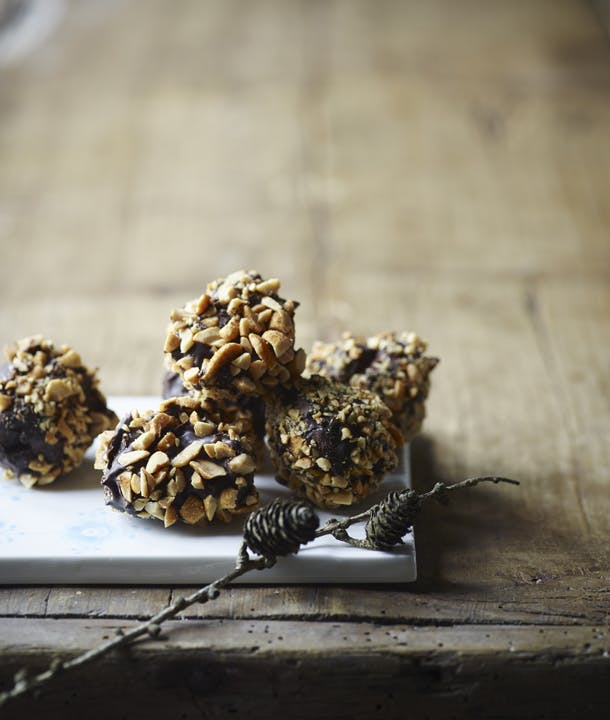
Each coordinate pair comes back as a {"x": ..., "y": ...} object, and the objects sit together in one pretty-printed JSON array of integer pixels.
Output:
[{"x": 435, "y": 166}]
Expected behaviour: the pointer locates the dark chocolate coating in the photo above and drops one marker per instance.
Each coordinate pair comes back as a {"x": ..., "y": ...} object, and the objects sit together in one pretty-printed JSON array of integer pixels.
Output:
[
  {"x": 22, "y": 440},
  {"x": 172, "y": 385}
]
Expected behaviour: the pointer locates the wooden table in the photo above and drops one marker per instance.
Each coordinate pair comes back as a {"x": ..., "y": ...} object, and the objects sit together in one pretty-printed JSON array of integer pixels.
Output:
[{"x": 441, "y": 167}]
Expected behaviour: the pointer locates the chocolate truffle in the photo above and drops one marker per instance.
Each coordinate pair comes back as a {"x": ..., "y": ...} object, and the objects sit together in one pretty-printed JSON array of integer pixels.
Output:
[
  {"x": 50, "y": 411},
  {"x": 247, "y": 411},
  {"x": 331, "y": 442},
  {"x": 238, "y": 337},
  {"x": 177, "y": 464},
  {"x": 393, "y": 365}
]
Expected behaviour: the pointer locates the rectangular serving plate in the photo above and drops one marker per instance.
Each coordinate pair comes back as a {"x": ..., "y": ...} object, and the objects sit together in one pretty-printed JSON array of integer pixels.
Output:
[{"x": 64, "y": 534}]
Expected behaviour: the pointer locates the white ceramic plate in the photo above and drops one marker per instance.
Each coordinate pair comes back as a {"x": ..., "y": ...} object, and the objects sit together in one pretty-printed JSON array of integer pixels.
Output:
[{"x": 64, "y": 533}]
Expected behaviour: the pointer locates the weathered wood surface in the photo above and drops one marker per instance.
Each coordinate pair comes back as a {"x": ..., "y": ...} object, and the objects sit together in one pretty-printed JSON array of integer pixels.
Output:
[
  {"x": 440, "y": 166},
  {"x": 344, "y": 670}
]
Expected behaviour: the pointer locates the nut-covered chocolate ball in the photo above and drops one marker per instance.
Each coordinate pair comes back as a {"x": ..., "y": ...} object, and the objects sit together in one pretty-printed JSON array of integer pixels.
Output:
[
  {"x": 331, "y": 442},
  {"x": 178, "y": 463},
  {"x": 393, "y": 365},
  {"x": 238, "y": 337},
  {"x": 246, "y": 410},
  {"x": 51, "y": 409}
]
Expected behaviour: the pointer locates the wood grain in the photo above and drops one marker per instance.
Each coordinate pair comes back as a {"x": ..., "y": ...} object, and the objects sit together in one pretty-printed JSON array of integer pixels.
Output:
[
  {"x": 440, "y": 167},
  {"x": 458, "y": 672}
]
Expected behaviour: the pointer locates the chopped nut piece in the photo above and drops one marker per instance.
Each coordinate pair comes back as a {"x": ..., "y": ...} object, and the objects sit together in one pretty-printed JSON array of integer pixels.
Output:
[
  {"x": 271, "y": 303},
  {"x": 281, "y": 320},
  {"x": 180, "y": 480},
  {"x": 160, "y": 421},
  {"x": 209, "y": 335},
  {"x": 300, "y": 358},
  {"x": 210, "y": 504},
  {"x": 189, "y": 453},
  {"x": 224, "y": 355},
  {"x": 144, "y": 489},
  {"x": 264, "y": 317},
  {"x": 262, "y": 349},
  {"x": 197, "y": 481},
  {"x": 243, "y": 361},
  {"x": 70, "y": 359},
  {"x": 203, "y": 429},
  {"x": 144, "y": 441},
  {"x": 152, "y": 508},
  {"x": 231, "y": 329},
  {"x": 173, "y": 487},
  {"x": 186, "y": 341},
  {"x": 242, "y": 464},
  {"x": 278, "y": 341},
  {"x": 287, "y": 357},
  {"x": 132, "y": 457},
  {"x": 222, "y": 450},
  {"x": 28, "y": 480},
  {"x": 246, "y": 326},
  {"x": 342, "y": 498},
  {"x": 125, "y": 485},
  {"x": 268, "y": 286},
  {"x": 135, "y": 483},
  {"x": 192, "y": 510},
  {"x": 234, "y": 305},
  {"x": 257, "y": 369},
  {"x": 246, "y": 345},
  {"x": 302, "y": 463},
  {"x": 168, "y": 442},
  {"x": 192, "y": 375},
  {"x": 186, "y": 363},
  {"x": 171, "y": 516},
  {"x": 58, "y": 390},
  {"x": 157, "y": 461},
  {"x": 40, "y": 467},
  {"x": 172, "y": 342},
  {"x": 228, "y": 499},
  {"x": 207, "y": 469},
  {"x": 202, "y": 304}
]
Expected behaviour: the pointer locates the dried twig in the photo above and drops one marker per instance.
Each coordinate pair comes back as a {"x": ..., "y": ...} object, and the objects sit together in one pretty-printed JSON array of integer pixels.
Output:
[{"x": 392, "y": 517}]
